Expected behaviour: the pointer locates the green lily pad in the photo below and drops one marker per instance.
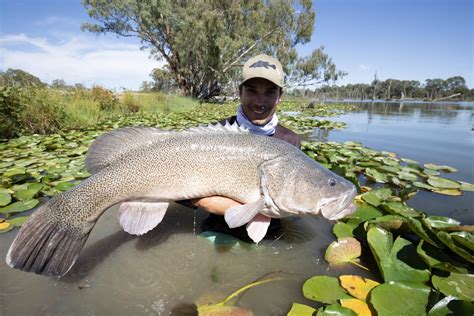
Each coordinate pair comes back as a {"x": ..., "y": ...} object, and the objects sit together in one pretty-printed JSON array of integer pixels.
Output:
[
  {"x": 440, "y": 222},
  {"x": 466, "y": 186},
  {"x": 14, "y": 172},
  {"x": 456, "y": 284},
  {"x": 464, "y": 238},
  {"x": 301, "y": 310},
  {"x": 443, "y": 183},
  {"x": 336, "y": 310},
  {"x": 371, "y": 198},
  {"x": 17, "y": 221},
  {"x": 400, "y": 298},
  {"x": 342, "y": 229},
  {"x": 19, "y": 207},
  {"x": 430, "y": 172},
  {"x": 417, "y": 228},
  {"x": 385, "y": 252},
  {"x": 65, "y": 185},
  {"x": 5, "y": 199},
  {"x": 449, "y": 242},
  {"x": 407, "y": 176},
  {"x": 365, "y": 212},
  {"x": 23, "y": 195},
  {"x": 400, "y": 208},
  {"x": 440, "y": 168},
  {"x": 450, "y": 305},
  {"x": 410, "y": 161},
  {"x": 438, "y": 259},
  {"x": 376, "y": 176},
  {"x": 388, "y": 222},
  {"x": 324, "y": 289}
]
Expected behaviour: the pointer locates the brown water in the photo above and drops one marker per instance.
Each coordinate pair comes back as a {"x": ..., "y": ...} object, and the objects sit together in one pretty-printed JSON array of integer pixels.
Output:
[{"x": 168, "y": 268}]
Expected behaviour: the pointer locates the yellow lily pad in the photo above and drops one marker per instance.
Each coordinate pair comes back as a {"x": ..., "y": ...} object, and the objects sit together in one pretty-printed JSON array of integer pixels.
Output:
[
  {"x": 359, "y": 307},
  {"x": 357, "y": 286}
]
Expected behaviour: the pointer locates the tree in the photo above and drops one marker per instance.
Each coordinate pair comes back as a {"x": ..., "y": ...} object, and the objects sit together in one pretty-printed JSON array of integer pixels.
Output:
[
  {"x": 59, "y": 84},
  {"x": 18, "y": 77},
  {"x": 204, "y": 43}
]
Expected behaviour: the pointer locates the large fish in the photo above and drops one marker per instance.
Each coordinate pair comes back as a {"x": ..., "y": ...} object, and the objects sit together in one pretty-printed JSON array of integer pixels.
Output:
[{"x": 145, "y": 169}]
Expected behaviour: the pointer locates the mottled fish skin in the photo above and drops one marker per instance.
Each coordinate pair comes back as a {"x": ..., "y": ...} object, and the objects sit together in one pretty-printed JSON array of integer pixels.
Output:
[{"x": 156, "y": 166}]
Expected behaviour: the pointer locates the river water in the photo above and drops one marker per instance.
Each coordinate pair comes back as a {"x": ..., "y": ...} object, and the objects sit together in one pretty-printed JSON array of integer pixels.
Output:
[{"x": 169, "y": 268}]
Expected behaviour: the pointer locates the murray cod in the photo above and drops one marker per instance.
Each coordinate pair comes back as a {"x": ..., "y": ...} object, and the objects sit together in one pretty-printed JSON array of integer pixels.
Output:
[{"x": 144, "y": 169}]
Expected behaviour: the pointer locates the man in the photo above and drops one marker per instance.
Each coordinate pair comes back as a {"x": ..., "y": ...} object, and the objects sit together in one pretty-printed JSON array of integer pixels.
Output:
[{"x": 260, "y": 92}]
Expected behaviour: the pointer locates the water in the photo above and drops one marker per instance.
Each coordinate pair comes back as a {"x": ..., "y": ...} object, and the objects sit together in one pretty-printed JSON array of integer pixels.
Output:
[{"x": 169, "y": 268}]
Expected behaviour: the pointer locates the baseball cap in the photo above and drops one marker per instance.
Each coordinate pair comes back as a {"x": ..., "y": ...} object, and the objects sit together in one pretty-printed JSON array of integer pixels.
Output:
[{"x": 263, "y": 66}]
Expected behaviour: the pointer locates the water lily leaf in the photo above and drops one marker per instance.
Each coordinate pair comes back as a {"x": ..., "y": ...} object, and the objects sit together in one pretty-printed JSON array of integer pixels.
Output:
[
  {"x": 359, "y": 307},
  {"x": 424, "y": 186},
  {"x": 416, "y": 227},
  {"x": 439, "y": 222},
  {"x": 456, "y": 284},
  {"x": 324, "y": 289},
  {"x": 341, "y": 229},
  {"x": 400, "y": 208},
  {"x": 385, "y": 252},
  {"x": 449, "y": 242},
  {"x": 450, "y": 305},
  {"x": 365, "y": 211},
  {"x": 430, "y": 172},
  {"x": 5, "y": 199},
  {"x": 336, "y": 310},
  {"x": 465, "y": 239},
  {"x": 383, "y": 193},
  {"x": 371, "y": 198},
  {"x": 388, "y": 222},
  {"x": 466, "y": 186},
  {"x": 452, "y": 192},
  {"x": 443, "y": 183},
  {"x": 407, "y": 176},
  {"x": 6, "y": 227},
  {"x": 25, "y": 194},
  {"x": 17, "y": 221},
  {"x": 301, "y": 310},
  {"x": 390, "y": 169},
  {"x": 218, "y": 310},
  {"x": 64, "y": 186},
  {"x": 400, "y": 298},
  {"x": 376, "y": 176},
  {"x": 14, "y": 172},
  {"x": 437, "y": 258},
  {"x": 357, "y": 286},
  {"x": 19, "y": 207},
  {"x": 410, "y": 161},
  {"x": 440, "y": 168},
  {"x": 344, "y": 250}
]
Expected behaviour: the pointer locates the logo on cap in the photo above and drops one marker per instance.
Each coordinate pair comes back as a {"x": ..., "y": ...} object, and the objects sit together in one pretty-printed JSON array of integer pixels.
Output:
[{"x": 262, "y": 63}]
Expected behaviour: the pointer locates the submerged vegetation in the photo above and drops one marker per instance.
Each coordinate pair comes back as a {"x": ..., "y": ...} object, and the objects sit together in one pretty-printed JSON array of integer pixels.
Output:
[{"x": 423, "y": 261}]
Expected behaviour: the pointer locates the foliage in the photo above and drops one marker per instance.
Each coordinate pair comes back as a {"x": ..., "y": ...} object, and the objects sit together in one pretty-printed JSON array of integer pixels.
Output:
[
  {"x": 21, "y": 78},
  {"x": 13, "y": 102},
  {"x": 106, "y": 98},
  {"x": 204, "y": 42}
]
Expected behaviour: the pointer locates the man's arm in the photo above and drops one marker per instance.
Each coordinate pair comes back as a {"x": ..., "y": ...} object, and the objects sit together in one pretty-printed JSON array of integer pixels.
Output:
[{"x": 215, "y": 204}]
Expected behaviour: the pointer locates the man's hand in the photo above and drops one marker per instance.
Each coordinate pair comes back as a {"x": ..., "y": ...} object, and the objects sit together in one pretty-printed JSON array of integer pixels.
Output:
[{"x": 215, "y": 204}]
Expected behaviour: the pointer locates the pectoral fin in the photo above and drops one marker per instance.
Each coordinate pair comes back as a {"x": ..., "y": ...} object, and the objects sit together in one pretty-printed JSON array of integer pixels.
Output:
[
  {"x": 138, "y": 217},
  {"x": 239, "y": 215},
  {"x": 257, "y": 227}
]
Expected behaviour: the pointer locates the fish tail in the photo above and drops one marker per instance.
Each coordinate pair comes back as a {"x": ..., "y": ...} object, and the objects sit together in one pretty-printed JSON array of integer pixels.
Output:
[{"x": 44, "y": 246}]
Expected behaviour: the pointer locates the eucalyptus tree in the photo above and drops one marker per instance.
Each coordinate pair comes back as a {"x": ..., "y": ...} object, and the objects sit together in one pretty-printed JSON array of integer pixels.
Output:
[{"x": 204, "y": 42}]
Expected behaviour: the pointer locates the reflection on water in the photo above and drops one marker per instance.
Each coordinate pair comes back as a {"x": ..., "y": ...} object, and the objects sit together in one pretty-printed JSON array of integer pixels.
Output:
[{"x": 440, "y": 133}]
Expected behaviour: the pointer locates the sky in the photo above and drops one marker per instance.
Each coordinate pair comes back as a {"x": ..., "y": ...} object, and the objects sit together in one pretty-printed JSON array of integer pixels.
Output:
[{"x": 397, "y": 39}]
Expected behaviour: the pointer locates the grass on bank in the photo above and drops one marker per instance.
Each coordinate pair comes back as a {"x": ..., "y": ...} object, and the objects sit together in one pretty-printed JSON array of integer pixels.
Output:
[{"x": 45, "y": 110}]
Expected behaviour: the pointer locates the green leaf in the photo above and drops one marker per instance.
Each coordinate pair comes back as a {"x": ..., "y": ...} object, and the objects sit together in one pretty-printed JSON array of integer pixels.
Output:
[
  {"x": 464, "y": 238},
  {"x": 400, "y": 298},
  {"x": 5, "y": 199},
  {"x": 301, "y": 310},
  {"x": 388, "y": 222},
  {"x": 440, "y": 168},
  {"x": 385, "y": 252},
  {"x": 449, "y": 242},
  {"x": 416, "y": 227},
  {"x": 451, "y": 306},
  {"x": 440, "y": 222},
  {"x": 14, "y": 172},
  {"x": 443, "y": 183},
  {"x": 17, "y": 221},
  {"x": 344, "y": 250},
  {"x": 25, "y": 194},
  {"x": 424, "y": 186},
  {"x": 400, "y": 208},
  {"x": 466, "y": 186},
  {"x": 365, "y": 211},
  {"x": 371, "y": 198},
  {"x": 324, "y": 289},
  {"x": 376, "y": 176},
  {"x": 341, "y": 229},
  {"x": 336, "y": 310},
  {"x": 64, "y": 186},
  {"x": 19, "y": 207},
  {"x": 438, "y": 259},
  {"x": 456, "y": 284}
]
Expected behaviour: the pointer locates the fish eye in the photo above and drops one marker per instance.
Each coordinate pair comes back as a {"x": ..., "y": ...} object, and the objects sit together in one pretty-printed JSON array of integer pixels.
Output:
[{"x": 332, "y": 182}]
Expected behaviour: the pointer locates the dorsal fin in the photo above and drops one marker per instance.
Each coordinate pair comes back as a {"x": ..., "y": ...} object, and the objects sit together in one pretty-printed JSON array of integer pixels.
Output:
[
  {"x": 219, "y": 128},
  {"x": 112, "y": 145}
]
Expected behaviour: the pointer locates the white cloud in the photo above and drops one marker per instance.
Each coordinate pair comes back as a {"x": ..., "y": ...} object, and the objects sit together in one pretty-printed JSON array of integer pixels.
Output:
[
  {"x": 363, "y": 67},
  {"x": 78, "y": 59}
]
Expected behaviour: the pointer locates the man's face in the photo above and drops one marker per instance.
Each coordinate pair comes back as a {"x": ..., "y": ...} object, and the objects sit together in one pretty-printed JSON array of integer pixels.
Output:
[{"x": 259, "y": 98}]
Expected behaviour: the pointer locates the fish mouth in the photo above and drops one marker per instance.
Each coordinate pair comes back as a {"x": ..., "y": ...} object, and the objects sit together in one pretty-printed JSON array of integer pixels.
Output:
[{"x": 339, "y": 207}]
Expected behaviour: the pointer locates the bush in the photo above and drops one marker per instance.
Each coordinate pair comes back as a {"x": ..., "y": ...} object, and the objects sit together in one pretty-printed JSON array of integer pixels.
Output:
[
  {"x": 130, "y": 103},
  {"x": 106, "y": 98},
  {"x": 13, "y": 102}
]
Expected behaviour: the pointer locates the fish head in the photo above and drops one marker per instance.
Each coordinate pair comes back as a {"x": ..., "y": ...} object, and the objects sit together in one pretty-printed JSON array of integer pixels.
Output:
[{"x": 309, "y": 188}]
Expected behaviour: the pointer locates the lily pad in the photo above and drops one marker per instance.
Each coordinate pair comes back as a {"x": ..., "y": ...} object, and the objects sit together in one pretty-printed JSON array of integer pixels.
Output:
[
  {"x": 416, "y": 227},
  {"x": 464, "y": 238},
  {"x": 5, "y": 227},
  {"x": 400, "y": 208},
  {"x": 301, "y": 310},
  {"x": 341, "y": 229},
  {"x": 17, "y": 221},
  {"x": 388, "y": 222},
  {"x": 19, "y": 207},
  {"x": 376, "y": 176},
  {"x": 23, "y": 195},
  {"x": 344, "y": 250},
  {"x": 449, "y": 242},
  {"x": 365, "y": 211},
  {"x": 443, "y": 183},
  {"x": 357, "y": 286},
  {"x": 371, "y": 198},
  {"x": 456, "y": 284},
  {"x": 439, "y": 222},
  {"x": 466, "y": 186},
  {"x": 336, "y": 310},
  {"x": 440, "y": 168},
  {"x": 324, "y": 289},
  {"x": 450, "y": 305},
  {"x": 400, "y": 298},
  {"x": 438, "y": 259},
  {"x": 357, "y": 306},
  {"x": 452, "y": 192},
  {"x": 65, "y": 185},
  {"x": 5, "y": 199}
]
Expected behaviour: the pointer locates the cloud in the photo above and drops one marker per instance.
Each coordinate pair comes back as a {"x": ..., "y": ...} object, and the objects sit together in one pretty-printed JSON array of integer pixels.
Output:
[
  {"x": 363, "y": 67},
  {"x": 85, "y": 59}
]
